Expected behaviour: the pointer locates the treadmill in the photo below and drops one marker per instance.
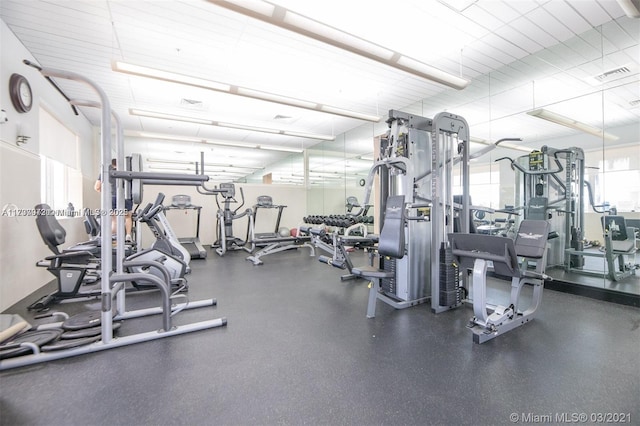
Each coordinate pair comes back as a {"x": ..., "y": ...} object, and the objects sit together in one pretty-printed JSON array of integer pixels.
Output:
[
  {"x": 266, "y": 202},
  {"x": 192, "y": 244}
]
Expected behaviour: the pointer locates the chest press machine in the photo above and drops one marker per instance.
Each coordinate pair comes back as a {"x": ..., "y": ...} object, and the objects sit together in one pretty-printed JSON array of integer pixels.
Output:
[
  {"x": 477, "y": 251},
  {"x": 391, "y": 245}
]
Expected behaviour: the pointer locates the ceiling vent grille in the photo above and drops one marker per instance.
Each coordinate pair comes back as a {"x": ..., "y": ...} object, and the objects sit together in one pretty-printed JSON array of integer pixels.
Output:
[
  {"x": 191, "y": 103},
  {"x": 635, "y": 102},
  {"x": 611, "y": 74}
]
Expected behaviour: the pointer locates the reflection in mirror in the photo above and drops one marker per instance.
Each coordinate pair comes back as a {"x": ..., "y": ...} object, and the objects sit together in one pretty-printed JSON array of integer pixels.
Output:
[
  {"x": 287, "y": 171},
  {"x": 577, "y": 103}
]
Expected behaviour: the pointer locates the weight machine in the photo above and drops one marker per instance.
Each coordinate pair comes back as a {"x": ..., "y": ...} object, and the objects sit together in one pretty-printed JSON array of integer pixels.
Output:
[
  {"x": 475, "y": 252},
  {"x": 551, "y": 186},
  {"x": 414, "y": 171}
]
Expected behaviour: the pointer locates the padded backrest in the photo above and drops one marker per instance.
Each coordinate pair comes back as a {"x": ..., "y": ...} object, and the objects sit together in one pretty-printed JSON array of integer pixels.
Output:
[
  {"x": 392, "y": 239},
  {"x": 531, "y": 240},
  {"x": 537, "y": 208},
  {"x": 91, "y": 224},
  {"x": 617, "y": 226},
  {"x": 500, "y": 250},
  {"x": 52, "y": 233},
  {"x": 351, "y": 203},
  {"x": 457, "y": 226}
]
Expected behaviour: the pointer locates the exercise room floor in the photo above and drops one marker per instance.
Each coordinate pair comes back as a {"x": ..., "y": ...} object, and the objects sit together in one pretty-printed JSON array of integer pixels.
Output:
[{"x": 298, "y": 349}]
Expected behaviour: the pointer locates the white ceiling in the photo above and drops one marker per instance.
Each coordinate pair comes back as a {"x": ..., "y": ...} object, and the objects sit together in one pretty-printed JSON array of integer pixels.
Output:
[{"x": 518, "y": 55}]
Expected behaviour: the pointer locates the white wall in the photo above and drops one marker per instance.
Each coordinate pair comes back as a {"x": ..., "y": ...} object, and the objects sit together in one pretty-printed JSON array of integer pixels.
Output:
[{"x": 20, "y": 243}]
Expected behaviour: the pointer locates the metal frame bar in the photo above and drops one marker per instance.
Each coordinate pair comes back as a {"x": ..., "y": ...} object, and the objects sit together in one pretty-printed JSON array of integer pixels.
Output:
[{"x": 107, "y": 340}]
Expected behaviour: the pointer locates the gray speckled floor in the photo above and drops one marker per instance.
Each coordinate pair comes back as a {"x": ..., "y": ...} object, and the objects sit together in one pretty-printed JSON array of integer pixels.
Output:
[{"x": 298, "y": 349}]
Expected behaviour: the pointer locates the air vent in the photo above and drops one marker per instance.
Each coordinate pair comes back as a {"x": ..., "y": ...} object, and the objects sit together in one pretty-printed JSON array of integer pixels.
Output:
[
  {"x": 191, "y": 103},
  {"x": 635, "y": 103},
  {"x": 281, "y": 117},
  {"x": 612, "y": 74}
]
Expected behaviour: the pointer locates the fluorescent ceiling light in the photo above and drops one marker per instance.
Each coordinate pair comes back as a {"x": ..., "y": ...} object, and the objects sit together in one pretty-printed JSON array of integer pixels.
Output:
[
  {"x": 279, "y": 148},
  {"x": 514, "y": 146},
  {"x": 188, "y": 163},
  {"x": 345, "y": 113},
  {"x": 233, "y": 144},
  {"x": 324, "y": 32},
  {"x": 631, "y": 8},
  {"x": 260, "y": 7},
  {"x": 500, "y": 144},
  {"x": 165, "y": 116},
  {"x": 192, "y": 169},
  {"x": 279, "y": 99},
  {"x": 479, "y": 140},
  {"x": 571, "y": 123},
  {"x": 308, "y": 27},
  {"x": 139, "y": 70},
  {"x": 127, "y": 68},
  {"x": 178, "y": 138}
]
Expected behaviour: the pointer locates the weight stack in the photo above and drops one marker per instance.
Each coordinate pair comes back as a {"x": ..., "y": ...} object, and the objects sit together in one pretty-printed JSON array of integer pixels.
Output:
[
  {"x": 576, "y": 260},
  {"x": 388, "y": 285},
  {"x": 449, "y": 278}
]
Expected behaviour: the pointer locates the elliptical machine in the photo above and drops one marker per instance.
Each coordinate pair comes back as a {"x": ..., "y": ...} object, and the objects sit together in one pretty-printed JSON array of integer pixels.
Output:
[
  {"x": 164, "y": 250},
  {"x": 225, "y": 240}
]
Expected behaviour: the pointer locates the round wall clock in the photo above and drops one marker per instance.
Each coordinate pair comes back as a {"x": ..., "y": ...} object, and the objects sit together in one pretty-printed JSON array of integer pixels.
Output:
[{"x": 20, "y": 93}]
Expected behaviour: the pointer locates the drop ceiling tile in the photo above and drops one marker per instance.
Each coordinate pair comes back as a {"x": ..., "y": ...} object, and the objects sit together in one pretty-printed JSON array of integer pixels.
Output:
[
  {"x": 567, "y": 16},
  {"x": 511, "y": 33},
  {"x": 583, "y": 49},
  {"x": 551, "y": 25},
  {"x": 617, "y": 36},
  {"x": 501, "y": 11},
  {"x": 533, "y": 31},
  {"x": 482, "y": 17},
  {"x": 523, "y": 6},
  {"x": 591, "y": 11},
  {"x": 612, "y": 7}
]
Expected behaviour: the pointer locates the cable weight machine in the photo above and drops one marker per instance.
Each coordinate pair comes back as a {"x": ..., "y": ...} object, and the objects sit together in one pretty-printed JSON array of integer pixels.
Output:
[{"x": 415, "y": 165}]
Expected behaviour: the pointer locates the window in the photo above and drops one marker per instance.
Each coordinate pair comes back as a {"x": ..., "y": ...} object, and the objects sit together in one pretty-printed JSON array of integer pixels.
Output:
[
  {"x": 484, "y": 186},
  {"x": 616, "y": 179},
  {"x": 61, "y": 181}
]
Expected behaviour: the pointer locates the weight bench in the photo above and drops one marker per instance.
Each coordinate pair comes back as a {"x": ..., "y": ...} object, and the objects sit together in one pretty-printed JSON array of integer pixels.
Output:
[
  {"x": 391, "y": 243},
  {"x": 278, "y": 244},
  {"x": 336, "y": 245},
  {"x": 477, "y": 251}
]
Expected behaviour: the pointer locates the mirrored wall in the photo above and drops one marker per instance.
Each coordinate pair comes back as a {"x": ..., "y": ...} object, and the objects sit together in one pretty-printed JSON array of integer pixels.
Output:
[{"x": 578, "y": 103}]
